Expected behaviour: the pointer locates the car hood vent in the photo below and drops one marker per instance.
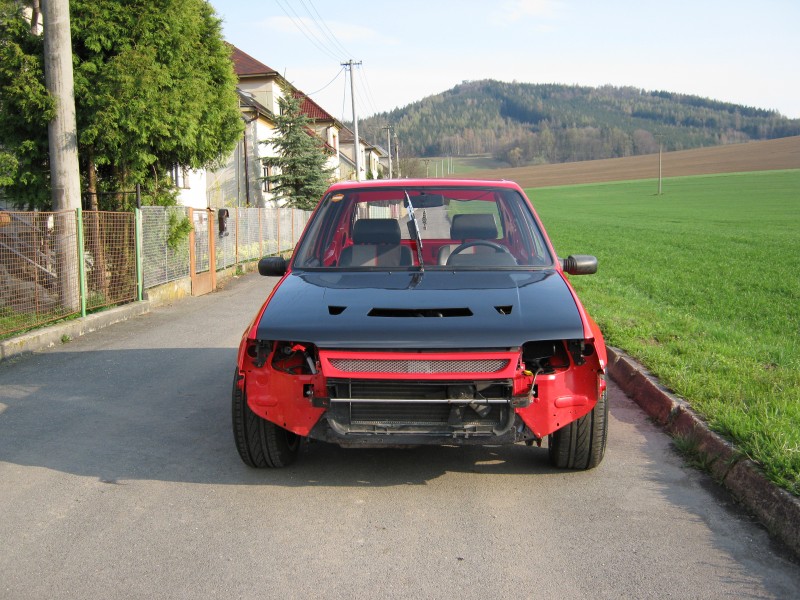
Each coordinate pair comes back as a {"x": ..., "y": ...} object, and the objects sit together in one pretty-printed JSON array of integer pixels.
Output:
[{"x": 420, "y": 312}]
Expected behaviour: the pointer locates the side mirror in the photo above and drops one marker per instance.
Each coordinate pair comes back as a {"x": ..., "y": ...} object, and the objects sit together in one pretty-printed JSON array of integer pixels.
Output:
[
  {"x": 579, "y": 264},
  {"x": 274, "y": 266}
]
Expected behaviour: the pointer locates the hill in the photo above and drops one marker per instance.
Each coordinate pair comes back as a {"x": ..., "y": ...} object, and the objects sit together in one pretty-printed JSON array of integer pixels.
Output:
[
  {"x": 520, "y": 123},
  {"x": 768, "y": 155}
]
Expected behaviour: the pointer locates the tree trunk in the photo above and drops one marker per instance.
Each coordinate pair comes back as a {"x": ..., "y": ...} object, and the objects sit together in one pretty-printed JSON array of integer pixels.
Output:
[
  {"x": 36, "y": 13},
  {"x": 63, "y": 144},
  {"x": 98, "y": 277}
]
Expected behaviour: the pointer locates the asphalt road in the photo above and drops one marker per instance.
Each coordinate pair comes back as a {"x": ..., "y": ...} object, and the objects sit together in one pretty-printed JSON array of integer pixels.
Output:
[{"x": 119, "y": 479}]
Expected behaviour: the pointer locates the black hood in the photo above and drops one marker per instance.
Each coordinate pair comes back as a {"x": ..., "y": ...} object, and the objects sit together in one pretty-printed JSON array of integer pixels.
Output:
[{"x": 435, "y": 309}]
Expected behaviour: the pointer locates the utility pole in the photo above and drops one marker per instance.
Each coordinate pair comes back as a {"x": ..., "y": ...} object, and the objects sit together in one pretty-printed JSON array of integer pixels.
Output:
[
  {"x": 388, "y": 129},
  {"x": 397, "y": 154},
  {"x": 62, "y": 130},
  {"x": 349, "y": 64},
  {"x": 63, "y": 141}
]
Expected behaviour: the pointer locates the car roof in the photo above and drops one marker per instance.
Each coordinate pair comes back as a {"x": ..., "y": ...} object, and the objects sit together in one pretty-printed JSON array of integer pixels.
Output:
[{"x": 394, "y": 183}]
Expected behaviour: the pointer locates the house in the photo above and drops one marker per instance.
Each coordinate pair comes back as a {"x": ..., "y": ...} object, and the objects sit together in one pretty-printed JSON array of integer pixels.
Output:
[
  {"x": 239, "y": 181},
  {"x": 373, "y": 160},
  {"x": 328, "y": 129}
]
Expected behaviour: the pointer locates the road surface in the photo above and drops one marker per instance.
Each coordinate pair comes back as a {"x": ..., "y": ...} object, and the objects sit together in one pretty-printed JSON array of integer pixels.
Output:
[{"x": 119, "y": 479}]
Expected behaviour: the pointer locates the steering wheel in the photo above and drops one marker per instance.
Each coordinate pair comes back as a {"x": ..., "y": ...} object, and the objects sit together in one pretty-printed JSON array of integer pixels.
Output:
[{"x": 498, "y": 248}]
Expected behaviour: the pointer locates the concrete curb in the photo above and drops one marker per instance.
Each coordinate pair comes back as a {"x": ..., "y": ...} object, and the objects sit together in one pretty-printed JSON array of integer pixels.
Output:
[
  {"x": 775, "y": 508},
  {"x": 48, "y": 337}
]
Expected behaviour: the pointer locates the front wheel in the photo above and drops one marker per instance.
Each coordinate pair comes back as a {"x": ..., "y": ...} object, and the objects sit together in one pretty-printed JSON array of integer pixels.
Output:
[
  {"x": 582, "y": 443},
  {"x": 260, "y": 443}
]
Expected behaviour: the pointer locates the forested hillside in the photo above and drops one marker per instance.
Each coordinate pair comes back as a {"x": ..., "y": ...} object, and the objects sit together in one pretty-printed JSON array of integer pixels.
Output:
[{"x": 524, "y": 124}]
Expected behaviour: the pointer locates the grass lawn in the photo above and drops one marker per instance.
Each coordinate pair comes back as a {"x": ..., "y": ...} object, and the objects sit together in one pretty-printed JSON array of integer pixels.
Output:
[{"x": 702, "y": 285}]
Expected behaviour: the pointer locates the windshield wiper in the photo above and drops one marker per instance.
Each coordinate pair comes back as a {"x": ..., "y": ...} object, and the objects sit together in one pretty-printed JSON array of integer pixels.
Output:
[{"x": 417, "y": 236}]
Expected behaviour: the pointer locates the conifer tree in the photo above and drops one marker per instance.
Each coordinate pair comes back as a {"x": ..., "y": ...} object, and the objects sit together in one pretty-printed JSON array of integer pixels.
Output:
[
  {"x": 299, "y": 172},
  {"x": 154, "y": 89}
]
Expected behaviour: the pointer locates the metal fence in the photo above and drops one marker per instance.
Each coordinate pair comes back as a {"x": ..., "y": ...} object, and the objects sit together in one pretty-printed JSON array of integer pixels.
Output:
[
  {"x": 38, "y": 268},
  {"x": 163, "y": 261},
  {"x": 55, "y": 265},
  {"x": 109, "y": 258},
  {"x": 251, "y": 233}
]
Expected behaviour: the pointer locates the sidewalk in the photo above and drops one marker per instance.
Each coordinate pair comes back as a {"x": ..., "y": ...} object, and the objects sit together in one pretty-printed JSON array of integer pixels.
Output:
[{"x": 61, "y": 333}]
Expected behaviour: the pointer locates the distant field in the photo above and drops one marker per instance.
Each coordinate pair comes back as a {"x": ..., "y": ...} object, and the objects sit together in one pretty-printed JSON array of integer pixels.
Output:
[
  {"x": 782, "y": 153},
  {"x": 437, "y": 165},
  {"x": 701, "y": 284}
]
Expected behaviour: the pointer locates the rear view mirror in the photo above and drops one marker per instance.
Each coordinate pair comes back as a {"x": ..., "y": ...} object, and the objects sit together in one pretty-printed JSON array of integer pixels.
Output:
[
  {"x": 274, "y": 266},
  {"x": 579, "y": 264},
  {"x": 427, "y": 201}
]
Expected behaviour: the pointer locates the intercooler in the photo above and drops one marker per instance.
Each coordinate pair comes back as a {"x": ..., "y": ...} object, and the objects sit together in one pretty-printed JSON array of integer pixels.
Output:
[{"x": 420, "y": 407}]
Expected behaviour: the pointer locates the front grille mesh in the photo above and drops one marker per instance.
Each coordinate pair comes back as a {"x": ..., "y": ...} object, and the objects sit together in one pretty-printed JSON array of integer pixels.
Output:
[{"x": 364, "y": 365}]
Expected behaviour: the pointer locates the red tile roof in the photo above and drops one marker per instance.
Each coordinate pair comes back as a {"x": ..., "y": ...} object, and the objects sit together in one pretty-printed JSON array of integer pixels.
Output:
[
  {"x": 311, "y": 109},
  {"x": 246, "y": 66}
]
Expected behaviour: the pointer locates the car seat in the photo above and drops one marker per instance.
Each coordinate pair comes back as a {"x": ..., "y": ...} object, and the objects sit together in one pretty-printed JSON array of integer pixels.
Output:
[
  {"x": 474, "y": 227},
  {"x": 376, "y": 243}
]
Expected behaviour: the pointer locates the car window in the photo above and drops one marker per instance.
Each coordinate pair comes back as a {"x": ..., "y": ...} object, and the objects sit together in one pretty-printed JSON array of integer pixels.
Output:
[{"x": 456, "y": 228}]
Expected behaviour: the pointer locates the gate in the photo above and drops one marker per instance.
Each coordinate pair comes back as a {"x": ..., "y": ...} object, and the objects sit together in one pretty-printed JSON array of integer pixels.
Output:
[{"x": 202, "y": 254}]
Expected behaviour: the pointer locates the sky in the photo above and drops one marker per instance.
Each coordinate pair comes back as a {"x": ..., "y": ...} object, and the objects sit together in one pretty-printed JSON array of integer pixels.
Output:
[{"x": 745, "y": 52}]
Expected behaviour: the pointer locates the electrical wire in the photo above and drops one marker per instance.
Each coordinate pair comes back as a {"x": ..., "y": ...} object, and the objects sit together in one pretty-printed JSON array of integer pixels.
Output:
[
  {"x": 328, "y": 84},
  {"x": 326, "y": 41},
  {"x": 323, "y": 27},
  {"x": 367, "y": 89},
  {"x": 301, "y": 25}
]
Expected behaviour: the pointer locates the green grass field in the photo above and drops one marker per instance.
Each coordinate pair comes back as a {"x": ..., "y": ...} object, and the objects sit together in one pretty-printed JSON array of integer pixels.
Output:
[{"x": 702, "y": 285}]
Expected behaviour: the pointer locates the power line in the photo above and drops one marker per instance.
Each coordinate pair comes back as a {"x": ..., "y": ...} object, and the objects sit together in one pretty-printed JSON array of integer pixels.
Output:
[
  {"x": 329, "y": 83},
  {"x": 301, "y": 25},
  {"x": 368, "y": 91},
  {"x": 323, "y": 27}
]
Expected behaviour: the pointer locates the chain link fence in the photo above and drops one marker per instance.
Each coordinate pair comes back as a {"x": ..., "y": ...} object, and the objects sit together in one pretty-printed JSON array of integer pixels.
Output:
[
  {"x": 164, "y": 258},
  {"x": 109, "y": 258},
  {"x": 38, "y": 268},
  {"x": 251, "y": 233},
  {"x": 54, "y": 265}
]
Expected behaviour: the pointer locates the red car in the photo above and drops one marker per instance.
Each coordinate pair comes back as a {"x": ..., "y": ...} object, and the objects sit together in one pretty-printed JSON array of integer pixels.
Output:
[{"x": 422, "y": 312}]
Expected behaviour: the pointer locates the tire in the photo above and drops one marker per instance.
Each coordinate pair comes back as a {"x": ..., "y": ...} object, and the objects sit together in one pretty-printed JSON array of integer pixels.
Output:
[
  {"x": 582, "y": 443},
  {"x": 261, "y": 443}
]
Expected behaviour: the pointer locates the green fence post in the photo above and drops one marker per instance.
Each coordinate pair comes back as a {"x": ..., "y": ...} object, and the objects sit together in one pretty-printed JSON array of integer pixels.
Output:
[
  {"x": 138, "y": 240},
  {"x": 81, "y": 260}
]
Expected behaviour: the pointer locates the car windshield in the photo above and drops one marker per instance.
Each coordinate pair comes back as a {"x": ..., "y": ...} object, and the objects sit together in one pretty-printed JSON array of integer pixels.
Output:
[{"x": 419, "y": 228}]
